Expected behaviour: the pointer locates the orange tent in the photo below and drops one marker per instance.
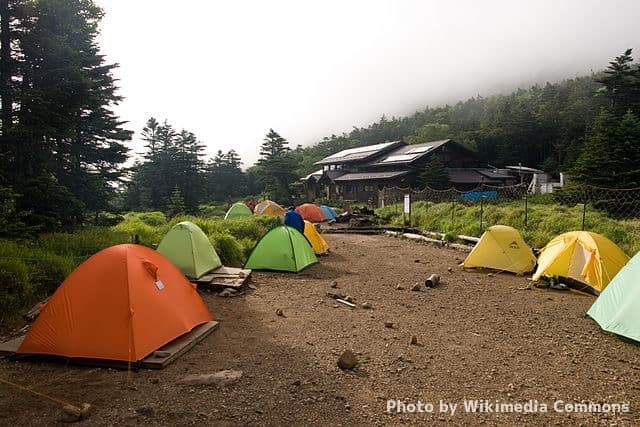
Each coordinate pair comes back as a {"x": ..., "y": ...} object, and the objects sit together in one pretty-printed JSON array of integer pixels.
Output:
[
  {"x": 268, "y": 207},
  {"x": 121, "y": 304},
  {"x": 311, "y": 212}
]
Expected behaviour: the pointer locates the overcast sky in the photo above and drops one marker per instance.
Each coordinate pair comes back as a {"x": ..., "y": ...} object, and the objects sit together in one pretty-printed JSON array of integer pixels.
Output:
[{"x": 230, "y": 70}]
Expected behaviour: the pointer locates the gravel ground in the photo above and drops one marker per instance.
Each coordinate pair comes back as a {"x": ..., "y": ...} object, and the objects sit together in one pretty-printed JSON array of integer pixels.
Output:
[{"x": 480, "y": 336}]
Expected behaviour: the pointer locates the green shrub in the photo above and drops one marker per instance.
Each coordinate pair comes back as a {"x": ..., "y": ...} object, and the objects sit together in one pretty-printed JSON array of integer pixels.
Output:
[
  {"x": 228, "y": 249},
  {"x": 47, "y": 271},
  {"x": 209, "y": 211},
  {"x": 153, "y": 218},
  {"x": 148, "y": 234},
  {"x": 15, "y": 290},
  {"x": 84, "y": 242}
]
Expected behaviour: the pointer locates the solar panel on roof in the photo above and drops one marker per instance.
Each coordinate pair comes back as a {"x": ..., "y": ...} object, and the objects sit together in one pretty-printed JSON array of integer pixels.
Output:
[
  {"x": 398, "y": 158},
  {"x": 359, "y": 150},
  {"x": 420, "y": 149}
]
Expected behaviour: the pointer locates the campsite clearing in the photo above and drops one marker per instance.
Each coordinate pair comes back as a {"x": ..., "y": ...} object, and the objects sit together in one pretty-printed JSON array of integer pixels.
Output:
[{"x": 477, "y": 336}]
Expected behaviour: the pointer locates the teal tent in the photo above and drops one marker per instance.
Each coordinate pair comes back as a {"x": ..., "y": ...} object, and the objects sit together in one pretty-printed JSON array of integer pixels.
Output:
[
  {"x": 328, "y": 212},
  {"x": 283, "y": 248},
  {"x": 617, "y": 309},
  {"x": 189, "y": 249},
  {"x": 238, "y": 210}
]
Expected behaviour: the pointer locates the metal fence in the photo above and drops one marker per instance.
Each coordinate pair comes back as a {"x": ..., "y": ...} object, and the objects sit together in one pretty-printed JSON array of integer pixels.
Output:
[{"x": 586, "y": 201}]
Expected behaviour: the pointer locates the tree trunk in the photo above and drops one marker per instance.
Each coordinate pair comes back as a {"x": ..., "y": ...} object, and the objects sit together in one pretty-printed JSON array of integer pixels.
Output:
[{"x": 6, "y": 92}]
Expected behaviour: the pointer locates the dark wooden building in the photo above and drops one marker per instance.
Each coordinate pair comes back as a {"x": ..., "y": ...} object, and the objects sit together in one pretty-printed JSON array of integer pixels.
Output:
[{"x": 359, "y": 173}]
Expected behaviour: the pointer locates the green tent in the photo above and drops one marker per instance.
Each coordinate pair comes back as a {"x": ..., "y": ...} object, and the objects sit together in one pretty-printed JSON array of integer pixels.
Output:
[
  {"x": 283, "y": 248},
  {"x": 189, "y": 249},
  {"x": 617, "y": 309},
  {"x": 238, "y": 210}
]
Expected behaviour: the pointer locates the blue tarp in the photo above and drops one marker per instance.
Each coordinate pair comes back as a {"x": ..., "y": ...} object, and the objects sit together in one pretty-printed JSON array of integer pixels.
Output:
[{"x": 475, "y": 196}]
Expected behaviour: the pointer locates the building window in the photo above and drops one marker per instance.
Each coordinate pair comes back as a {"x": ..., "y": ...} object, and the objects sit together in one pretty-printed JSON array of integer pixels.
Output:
[{"x": 368, "y": 188}]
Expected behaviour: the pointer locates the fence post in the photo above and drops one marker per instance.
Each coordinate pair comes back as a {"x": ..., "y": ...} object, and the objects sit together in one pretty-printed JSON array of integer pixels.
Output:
[
  {"x": 453, "y": 207},
  {"x": 584, "y": 205},
  {"x": 481, "y": 209},
  {"x": 526, "y": 209}
]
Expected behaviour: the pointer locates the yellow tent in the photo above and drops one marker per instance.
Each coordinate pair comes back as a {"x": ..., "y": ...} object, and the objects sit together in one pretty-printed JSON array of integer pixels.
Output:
[
  {"x": 501, "y": 248},
  {"x": 319, "y": 245},
  {"x": 587, "y": 257},
  {"x": 267, "y": 207}
]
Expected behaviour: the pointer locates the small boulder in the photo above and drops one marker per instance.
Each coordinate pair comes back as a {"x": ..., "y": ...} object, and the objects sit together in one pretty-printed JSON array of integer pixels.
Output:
[
  {"x": 219, "y": 379},
  {"x": 366, "y": 306},
  {"x": 388, "y": 324},
  {"x": 400, "y": 287},
  {"x": 416, "y": 287},
  {"x": 279, "y": 312},
  {"x": 334, "y": 284},
  {"x": 228, "y": 292},
  {"x": 413, "y": 340},
  {"x": 347, "y": 360}
]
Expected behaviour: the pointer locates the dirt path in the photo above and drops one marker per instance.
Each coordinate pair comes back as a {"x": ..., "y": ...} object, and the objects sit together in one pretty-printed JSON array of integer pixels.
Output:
[{"x": 480, "y": 336}]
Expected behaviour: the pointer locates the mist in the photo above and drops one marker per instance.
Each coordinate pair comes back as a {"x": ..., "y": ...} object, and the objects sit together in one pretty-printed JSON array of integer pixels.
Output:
[{"x": 230, "y": 71}]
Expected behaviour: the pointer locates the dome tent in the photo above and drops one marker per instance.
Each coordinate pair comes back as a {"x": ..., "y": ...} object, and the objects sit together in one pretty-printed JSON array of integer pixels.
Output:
[
  {"x": 318, "y": 244},
  {"x": 329, "y": 213},
  {"x": 267, "y": 207},
  {"x": 311, "y": 212},
  {"x": 189, "y": 249},
  {"x": 501, "y": 248},
  {"x": 617, "y": 309},
  {"x": 121, "y": 304},
  {"x": 283, "y": 248},
  {"x": 238, "y": 210},
  {"x": 588, "y": 258}
]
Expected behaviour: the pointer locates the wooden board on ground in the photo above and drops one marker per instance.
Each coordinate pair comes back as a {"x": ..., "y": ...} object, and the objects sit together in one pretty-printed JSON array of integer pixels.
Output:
[
  {"x": 171, "y": 351},
  {"x": 157, "y": 360},
  {"x": 10, "y": 347},
  {"x": 226, "y": 277}
]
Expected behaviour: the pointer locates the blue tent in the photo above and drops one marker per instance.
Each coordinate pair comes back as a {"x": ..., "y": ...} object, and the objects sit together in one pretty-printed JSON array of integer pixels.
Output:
[{"x": 328, "y": 212}]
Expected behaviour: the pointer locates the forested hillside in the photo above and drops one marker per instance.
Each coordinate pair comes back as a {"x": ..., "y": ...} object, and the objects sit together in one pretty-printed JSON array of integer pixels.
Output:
[
  {"x": 545, "y": 126},
  {"x": 63, "y": 150}
]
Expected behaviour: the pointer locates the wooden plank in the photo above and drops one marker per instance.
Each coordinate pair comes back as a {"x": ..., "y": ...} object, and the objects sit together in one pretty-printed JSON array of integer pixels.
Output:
[
  {"x": 157, "y": 360},
  {"x": 230, "y": 271},
  {"x": 10, "y": 347},
  {"x": 171, "y": 351}
]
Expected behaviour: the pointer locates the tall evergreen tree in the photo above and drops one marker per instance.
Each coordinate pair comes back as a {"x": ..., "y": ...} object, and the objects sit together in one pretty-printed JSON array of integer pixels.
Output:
[
  {"x": 621, "y": 82},
  {"x": 57, "y": 99},
  {"x": 276, "y": 167}
]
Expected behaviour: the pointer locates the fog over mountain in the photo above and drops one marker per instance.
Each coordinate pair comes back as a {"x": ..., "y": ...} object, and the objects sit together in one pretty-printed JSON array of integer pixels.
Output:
[{"x": 229, "y": 71}]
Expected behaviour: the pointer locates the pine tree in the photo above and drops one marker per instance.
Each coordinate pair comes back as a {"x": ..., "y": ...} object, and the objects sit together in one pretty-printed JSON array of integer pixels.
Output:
[
  {"x": 57, "y": 99},
  {"x": 276, "y": 167},
  {"x": 622, "y": 84},
  {"x": 176, "y": 203},
  {"x": 434, "y": 175}
]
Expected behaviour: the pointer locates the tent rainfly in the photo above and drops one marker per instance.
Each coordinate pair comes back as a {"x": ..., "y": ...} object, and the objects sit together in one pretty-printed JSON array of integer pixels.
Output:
[
  {"x": 587, "y": 258},
  {"x": 501, "y": 248},
  {"x": 122, "y": 304},
  {"x": 268, "y": 207},
  {"x": 283, "y": 248},
  {"x": 617, "y": 309},
  {"x": 328, "y": 212},
  {"x": 238, "y": 210},
  {"x": 319, "y": 245},
  {"x": 311, "y": 212},
  {"x": 190, "y": 250}
]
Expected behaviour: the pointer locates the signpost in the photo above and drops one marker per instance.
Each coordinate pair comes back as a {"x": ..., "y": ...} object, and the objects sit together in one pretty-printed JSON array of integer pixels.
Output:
[{"x": 407, "y": 208}]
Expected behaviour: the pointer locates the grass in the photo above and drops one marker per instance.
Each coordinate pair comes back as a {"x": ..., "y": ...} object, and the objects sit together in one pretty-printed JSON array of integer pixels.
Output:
[
  {"x": 543, "y": 221},
  {"x": 31, "y": 270}
]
